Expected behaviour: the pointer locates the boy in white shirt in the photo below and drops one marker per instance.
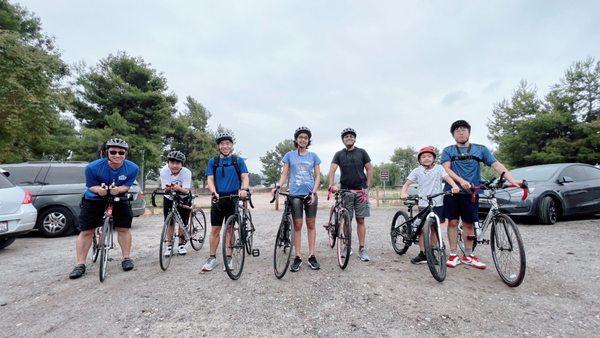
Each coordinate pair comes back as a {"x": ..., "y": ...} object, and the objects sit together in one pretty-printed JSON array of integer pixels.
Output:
[{"x": 429, "y": 177}]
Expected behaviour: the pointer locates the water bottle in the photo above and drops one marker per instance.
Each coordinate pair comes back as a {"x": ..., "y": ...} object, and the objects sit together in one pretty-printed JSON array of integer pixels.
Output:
[{"x": 415, "y": 225}]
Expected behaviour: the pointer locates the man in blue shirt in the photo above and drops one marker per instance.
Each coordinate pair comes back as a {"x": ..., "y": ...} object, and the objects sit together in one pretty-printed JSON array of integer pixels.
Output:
[
  {"x": 111, "y": 175},
  {"x": 461, "y": 162},
  {"x": 227, "y": 175}
]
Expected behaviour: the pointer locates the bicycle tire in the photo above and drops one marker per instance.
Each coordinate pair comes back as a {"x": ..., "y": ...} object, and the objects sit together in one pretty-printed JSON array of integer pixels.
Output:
[
  {"x": 96, "y": 245},
  {"x": 331, "y": 235},
  {"x": 197, "y": 228},
  {"x": 501, "y": 227},
  {"x": 249, "y": 234},
  {"x": 105, "y": 246},
  {"x": 435, "y": 249},
  {"x": 399, "y": 227},
  {"x": 284, "y": 244},
  {"x": 344, "y": 240},
  {"x": 237, "y": 246},
  {"x": 165, "y": 261}
]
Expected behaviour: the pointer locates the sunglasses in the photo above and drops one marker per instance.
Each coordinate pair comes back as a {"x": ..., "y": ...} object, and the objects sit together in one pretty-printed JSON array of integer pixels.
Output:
[{"x": 114, "y": 152}]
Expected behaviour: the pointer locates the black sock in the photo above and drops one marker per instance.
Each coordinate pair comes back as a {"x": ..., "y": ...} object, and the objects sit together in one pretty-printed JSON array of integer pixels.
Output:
[
  {"x": 213, "y": 256},
  {"x": 361, "y": 247}
]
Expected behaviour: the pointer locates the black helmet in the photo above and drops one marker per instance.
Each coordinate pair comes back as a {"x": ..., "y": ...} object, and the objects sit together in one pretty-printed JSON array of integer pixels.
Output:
[
  {"x": 348, "y": 131},
  {"x": 176, "y": 155},
  {"x": 222, "y": 136},
  {"x": 117, "y": 142},
  {"x": 458, "y": 124},
  {"x": 304, "y": 130}
]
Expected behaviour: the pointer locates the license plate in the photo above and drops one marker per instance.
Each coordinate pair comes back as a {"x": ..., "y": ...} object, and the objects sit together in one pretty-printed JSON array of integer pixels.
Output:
[{"x": 3, "y": 226}]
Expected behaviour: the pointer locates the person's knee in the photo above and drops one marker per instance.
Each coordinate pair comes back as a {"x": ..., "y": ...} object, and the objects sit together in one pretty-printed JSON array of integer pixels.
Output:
[
  {"x": 310, "y": 224},
  {"x": 86, "y": 234},
  {"x": 298, "y": 225},
  {"x": 215, "y": 231}
]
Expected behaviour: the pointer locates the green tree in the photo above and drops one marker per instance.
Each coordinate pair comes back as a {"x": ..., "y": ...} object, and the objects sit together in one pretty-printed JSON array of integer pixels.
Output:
[
  {"x": 32, "y": 95},
  {"x": 255, "y": 179},
  {"x": 395, "y": 174},
  {"x": 271, "y": 162},
  {"x": 123, "y": 96},
  {"x": 406, "y": 160}
]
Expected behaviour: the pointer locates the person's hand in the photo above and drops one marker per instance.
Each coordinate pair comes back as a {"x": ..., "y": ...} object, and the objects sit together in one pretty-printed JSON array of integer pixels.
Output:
[
  {"x": 114, "y": 190},
  {"x": 274, "y": 190},
  {"x": 243, "y": 193},
  {"x": 404, "y": 195},
  {"x": 215, "y": 197},
  {"x": 333, "y": 188},
  {"x": 103, "y": 190},
  {"x": 465, "y": 185},
  {"x": 455, "y": 189},
  {"x": 517, "y": 183},
  {"x": 312, "y": 199}
]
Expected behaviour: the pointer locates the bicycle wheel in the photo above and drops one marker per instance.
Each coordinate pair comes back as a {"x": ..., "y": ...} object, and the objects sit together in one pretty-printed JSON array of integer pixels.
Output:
[
  {"x": 96, "y": 244},
  {"x": 197, "y": 228},
  {"x": 233, "y": 245},
  {"x": 331, "y": 228},
  {"x": 508, "y": 251},
  {"x": 344, "y": 240},
  {"x": 400, "y": 232},
  {"x": 435, "y": 249},
  {"x": 284, "y": 243},
  {"x": 164, "y": 258},
  {"x": 104, "y": 247},
  {"x": 461, "y": 244},
  {"x": 249, "y": 232}
]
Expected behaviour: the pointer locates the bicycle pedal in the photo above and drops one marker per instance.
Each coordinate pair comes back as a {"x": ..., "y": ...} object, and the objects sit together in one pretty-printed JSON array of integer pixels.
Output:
[
  {"x": 255, "y": 252},
  {"x": 485, "y": 241}
]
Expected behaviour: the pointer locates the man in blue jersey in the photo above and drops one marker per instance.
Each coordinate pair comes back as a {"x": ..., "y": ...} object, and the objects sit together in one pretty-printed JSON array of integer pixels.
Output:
[
  {"x": 110, "y": 175},
  {"x": 227, "y": 175},
  {"x": 462, "y": 162}
]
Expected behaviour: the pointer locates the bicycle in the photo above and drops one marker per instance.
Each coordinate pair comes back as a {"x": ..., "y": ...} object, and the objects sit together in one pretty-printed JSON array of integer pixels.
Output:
[
  {"x": 105, "y": 241},
  {"x": 238, "y": 235},
  {"x": 506, "y": 247},
  {"x": 407, "y": 227},
  {"x": 339, "y": 226},
  {"x": 284, "y": 240},
  {"x": 194, "y": 232}
]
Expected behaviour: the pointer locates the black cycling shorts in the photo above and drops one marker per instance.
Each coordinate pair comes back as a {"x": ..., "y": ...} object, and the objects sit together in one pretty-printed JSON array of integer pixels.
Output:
[
  {"x": 92, "y": 212},
  {"x": 220, "y": 211},
  {"x": 300, "y": 207}
]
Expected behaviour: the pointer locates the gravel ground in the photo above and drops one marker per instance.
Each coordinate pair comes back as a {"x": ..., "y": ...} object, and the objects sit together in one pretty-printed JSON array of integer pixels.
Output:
[{"x": 388, "y": 296}]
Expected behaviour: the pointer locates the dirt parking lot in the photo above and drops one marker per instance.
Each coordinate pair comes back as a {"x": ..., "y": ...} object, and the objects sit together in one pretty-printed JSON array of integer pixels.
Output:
[{"x": 388, "y": 296}]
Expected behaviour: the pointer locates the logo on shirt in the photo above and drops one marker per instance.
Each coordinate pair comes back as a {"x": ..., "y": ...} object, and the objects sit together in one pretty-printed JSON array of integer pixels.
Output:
[{"x": 122, "y": 178}]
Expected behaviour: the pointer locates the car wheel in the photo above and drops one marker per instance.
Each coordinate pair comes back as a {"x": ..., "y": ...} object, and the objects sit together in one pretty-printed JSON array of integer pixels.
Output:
[
  {"x": 548, "y": 211},
  {"x": 6, "y": 241},
  {"x": 55, "y": 222}
]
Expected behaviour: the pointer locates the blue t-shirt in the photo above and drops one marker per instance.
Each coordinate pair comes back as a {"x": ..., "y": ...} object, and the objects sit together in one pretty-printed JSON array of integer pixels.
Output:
[
  {"x": 99, "y": 172},
  {"x": 467, "y": 169},
  {"x": 301, "y": 180},
  {"x": 227, "y": 178}
]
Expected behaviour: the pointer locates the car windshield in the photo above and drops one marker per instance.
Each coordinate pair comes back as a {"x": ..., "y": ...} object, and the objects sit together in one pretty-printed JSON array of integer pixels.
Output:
[
  {"x": 4, "y": 182},
  {"x": 535, "y": 173}
]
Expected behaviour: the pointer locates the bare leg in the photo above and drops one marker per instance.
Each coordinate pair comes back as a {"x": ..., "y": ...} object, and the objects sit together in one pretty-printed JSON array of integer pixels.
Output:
[
  {"x": 297, "y": 239},
  {"x": 312, "y": 236},
  {"x": 83, "y": 244},
  {"x": 124, "y": 238}
]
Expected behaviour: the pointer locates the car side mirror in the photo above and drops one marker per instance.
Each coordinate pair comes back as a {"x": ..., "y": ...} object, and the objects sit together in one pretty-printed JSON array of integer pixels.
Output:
[{"x": 566, "y": 179}]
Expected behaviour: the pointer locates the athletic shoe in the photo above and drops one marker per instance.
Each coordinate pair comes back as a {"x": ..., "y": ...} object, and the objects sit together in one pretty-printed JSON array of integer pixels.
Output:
[
  {"x": 78, "y": 271},
  {"x": 210, "y": 264},
  {"x": 344, "y": 252},
  {"x": 127, "y": 264},
  {"x": 168, "y": 251},
  {"x": 229, "y": 264},
  {"x": 362, "y": 254},
  {"x": 452, "y": 261},
  {"x": 312, "y": 262},
  {"x": 420, "y": 258},
  {"x": 473, "y": 261},
  {"x": 296, "y": 264},
  {"x": 182, "y": 251}
]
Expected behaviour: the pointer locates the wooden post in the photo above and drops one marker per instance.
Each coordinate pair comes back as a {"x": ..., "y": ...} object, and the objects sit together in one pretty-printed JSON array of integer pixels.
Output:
[{"x": 377, "y": 196}]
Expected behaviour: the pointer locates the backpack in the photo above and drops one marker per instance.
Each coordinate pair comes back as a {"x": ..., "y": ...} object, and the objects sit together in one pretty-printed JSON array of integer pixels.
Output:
[
  {"x": 464, "y": 156},
  {"x": 234, "y": 162}
]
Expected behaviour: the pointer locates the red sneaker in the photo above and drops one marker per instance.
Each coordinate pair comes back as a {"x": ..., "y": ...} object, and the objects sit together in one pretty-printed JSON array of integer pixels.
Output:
[
  {"x": 473, "y": 261},
  {"x": 452, "y": 261}
]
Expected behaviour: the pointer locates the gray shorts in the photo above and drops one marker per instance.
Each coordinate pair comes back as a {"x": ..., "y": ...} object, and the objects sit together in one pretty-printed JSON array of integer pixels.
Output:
[{"x": 355, "y": 207}]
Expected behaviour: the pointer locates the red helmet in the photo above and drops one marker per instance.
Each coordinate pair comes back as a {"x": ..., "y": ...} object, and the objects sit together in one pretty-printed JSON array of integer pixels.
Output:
[{"x": 428, "y": 149}]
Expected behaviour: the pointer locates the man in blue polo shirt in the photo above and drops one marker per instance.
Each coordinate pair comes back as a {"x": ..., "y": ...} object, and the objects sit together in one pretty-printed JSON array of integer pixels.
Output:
[
  {"x": 227, "y": 175},
  {"x": 110, "y": 175},
  {"x": 462, "y": 163}
]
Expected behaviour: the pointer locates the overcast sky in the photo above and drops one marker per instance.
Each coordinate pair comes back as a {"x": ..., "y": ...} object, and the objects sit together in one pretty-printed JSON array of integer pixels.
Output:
[{"x": 399, "y": 72}]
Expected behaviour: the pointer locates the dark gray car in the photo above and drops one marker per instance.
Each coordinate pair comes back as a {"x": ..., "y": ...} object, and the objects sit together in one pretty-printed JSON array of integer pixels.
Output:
[
  {"x": 556, "y": 190},
  {"x": 57, "y": 188}
]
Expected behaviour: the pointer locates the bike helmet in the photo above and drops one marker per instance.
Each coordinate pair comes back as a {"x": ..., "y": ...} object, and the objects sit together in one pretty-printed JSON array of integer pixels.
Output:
[
  {"x": 176, "y": 155},
  {"x": 428, "y": 149},
  {"x": 222, "y": 136},
  {"x": 301, "y": 130},
  {"x": 458, "y": 124},
  {"x": 117, "y": 142},
  {"x": 348, "y": 131}
]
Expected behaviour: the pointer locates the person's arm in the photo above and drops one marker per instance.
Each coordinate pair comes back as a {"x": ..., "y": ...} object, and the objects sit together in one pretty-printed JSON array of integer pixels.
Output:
[
  {"x": 462, "y": 182},
  {"x": 317, "y": 175},
  {"x": 283, "y": 178},
  {"x": 245, "y": 185},
  {"x": 331, "y": 175},
  {"x": 455, "y": 187},
  {"x": 210, "y": 181},
  {"x": 404, "y": 194},
  {"x": 369, "y": 168},
  {"x": 500, "y": 168}
]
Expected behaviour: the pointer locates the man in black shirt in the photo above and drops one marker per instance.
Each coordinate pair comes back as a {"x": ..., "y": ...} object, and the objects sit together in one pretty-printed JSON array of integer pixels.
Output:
[{"x": 353, "y": 162}]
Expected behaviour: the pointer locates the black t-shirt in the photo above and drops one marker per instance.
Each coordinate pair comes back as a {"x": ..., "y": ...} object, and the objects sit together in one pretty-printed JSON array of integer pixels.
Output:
[{"x": 352, "y": 167}]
